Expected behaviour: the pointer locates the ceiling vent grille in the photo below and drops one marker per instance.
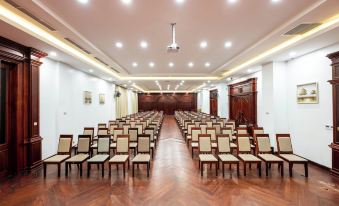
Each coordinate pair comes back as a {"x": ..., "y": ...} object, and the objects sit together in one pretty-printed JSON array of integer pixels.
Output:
[
  {"x": 302, "y": 29},
  {"x": 77, "y": 45},
  {"x": 101, "y": 61},
  {"x": 30, "y": 15},
  {"x": 115, "y": 70}
]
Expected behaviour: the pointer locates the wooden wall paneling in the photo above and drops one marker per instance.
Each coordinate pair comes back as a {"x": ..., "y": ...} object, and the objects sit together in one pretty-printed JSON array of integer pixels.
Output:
[
  {"x": 214, "y": 102},
  {"x": 167, "y": 102},
  {"x": 335, "y": 92},
  {"x": 243, "y": 102}
]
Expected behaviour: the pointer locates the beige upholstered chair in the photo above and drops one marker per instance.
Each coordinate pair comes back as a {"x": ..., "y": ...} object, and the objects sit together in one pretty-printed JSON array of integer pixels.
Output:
[
  {"x": 212, "y": 131},
  {"x": 122, "y": 153},
  {"x": 244, "y": 153},
  {"x": 102, "y": 156},
  {"x": 217, "y": 127},
  {"x": 205, "y": 153},
  {"x": 230, "y": 125},
  {"x": 209, "y": 123},
  {"x": 242, "y": 126},
  {"x": 144, "y": 149},
  {"x": 140, "y": 128},
  {"x": 117, "y": 131},
  {"x": 265, "y": 154},
  {"x": 89, "y": 131},
  {"x": 187, "y": 132},
  {"x": 195, "y": 138},
  {"x": 126, "y": 127},
  {"x": 144, "y": 124},
  {"x": 84, "y": 143},
  {"x": 132, "y": 123},
  {"x": 203, "y": 127},
  {"x": 285, "y": 151},
  {"x": 121, "y": 123},
  {"x": 225, "y": 153},
  {"x": 102, "y": 125},
  {"x": 133, "y": 138},
  {"x": 150, "y": 131},
  {"x": 197, "y": 123},
  {"x": 242, "y": 130},
  {"x": 112, "y": 126},
  {"x": 64, "y": 152},
  {"x": 155, "y": 127}
]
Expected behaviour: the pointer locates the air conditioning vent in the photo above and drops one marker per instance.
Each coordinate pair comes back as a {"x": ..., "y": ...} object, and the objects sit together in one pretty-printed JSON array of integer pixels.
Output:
[
  {"x": 101, "y": 61},
  {"x": 30, "y": 15},
  {"x": 115, "y": 70},
  {"x": 77, "y": 45},
  {"x": 301, "y": 29}
]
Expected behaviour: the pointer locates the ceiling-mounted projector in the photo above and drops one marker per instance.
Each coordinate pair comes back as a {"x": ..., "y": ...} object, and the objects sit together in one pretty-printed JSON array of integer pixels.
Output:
[{"x": 173, "y": 47}]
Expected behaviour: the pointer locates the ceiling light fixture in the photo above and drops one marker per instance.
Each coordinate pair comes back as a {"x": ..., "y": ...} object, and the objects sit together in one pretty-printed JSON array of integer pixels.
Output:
[
  {"x": 134, "y": 64},
  {"x": 144, "y": 44},
  {"x": 180, "y": 1},
  {"x": 151, "y": 64},
  {"x": 191, "y": 64},
  {"x": 127, "y": 2},
  {"x": 275, "y": 1},
  {"x": 207, "y": 64},
  {"x": 292, "y": 54},
  {"x": 232, "y": 1},
  {"x": 118, "y": 45},
  {"x": 171, "y": 64},
  {"x": 203, "y": 44},
  {"x": 83, "y": 1},
  {"x": 53, "y": 54},
  {"x": 228, "y": 44},
  {"x": 91, "y": 70},
  {"x": 249, "y": 70}
]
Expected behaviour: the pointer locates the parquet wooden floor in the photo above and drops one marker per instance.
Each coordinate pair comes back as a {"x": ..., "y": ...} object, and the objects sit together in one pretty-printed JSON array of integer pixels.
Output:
[{"x": 174, "y": 180}]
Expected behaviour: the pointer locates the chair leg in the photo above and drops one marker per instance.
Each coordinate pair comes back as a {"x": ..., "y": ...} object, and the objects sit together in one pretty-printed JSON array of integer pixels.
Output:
[
  {"x": 259, "y": 168},
  {"x": 192, "y": 152},
  {"x": 282, "y": 169},
  {"x": 266, "y": 165},
  {"x": 202, "y": 168},
  {"x": 124, "y": 168},
  {"x": 238, "y": 170},
  {"x": 216, "y": 169},
  {"x": 88, "y": 169},
  {"x": 148, "y": 166},
  {"x": 306, "y": 169},
  {"x": 290, "y": 165},
  {"x": 244, "y": 168},
  {"x": 223, "y": 169},
  {"x": 109, "y": 169},
  {"x": 102, "y": 169},
  {"x": 59, "y": 169},
  {"x": 45, "y": 168},
  {"x": 80, "y": 169},
  {"x": 66, "y": 169},
  {"x": 133, "y": 169}
]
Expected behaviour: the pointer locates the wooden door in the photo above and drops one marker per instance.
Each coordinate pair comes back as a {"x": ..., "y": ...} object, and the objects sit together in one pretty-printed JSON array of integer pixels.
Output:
[
  {"x": 7, "y": 163},
  {"x": 214, "y": 102}
]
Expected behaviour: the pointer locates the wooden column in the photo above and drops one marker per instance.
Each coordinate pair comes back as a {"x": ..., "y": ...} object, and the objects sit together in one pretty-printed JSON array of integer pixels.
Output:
[
  {"x": 24, "y": 97},
  {"x": 335, "y": 89}
]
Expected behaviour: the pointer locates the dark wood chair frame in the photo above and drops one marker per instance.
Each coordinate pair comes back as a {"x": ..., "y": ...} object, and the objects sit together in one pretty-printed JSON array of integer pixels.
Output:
[
  {"x": 227, "y": 162},
  {"x": 121, "y": 153},
  {"x": 99, "y": 163},
  {"x": 201, "y": 164},
  {"x": 146, "y": 163}
]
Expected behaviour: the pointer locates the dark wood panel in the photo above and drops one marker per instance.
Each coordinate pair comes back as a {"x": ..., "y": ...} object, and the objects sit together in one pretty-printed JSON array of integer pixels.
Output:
[
  {"x": 167, "y": 102},
  {"x": 335, "y": 92},
  {"x": 214, "y": 102},
  {"x": 243, "y": 102}
]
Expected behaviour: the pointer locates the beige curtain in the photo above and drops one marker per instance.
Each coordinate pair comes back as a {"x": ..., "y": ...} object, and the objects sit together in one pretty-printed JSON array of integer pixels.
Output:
[
  {"x": 121, "y": 106},
  {"x": 134, "y": 102}
]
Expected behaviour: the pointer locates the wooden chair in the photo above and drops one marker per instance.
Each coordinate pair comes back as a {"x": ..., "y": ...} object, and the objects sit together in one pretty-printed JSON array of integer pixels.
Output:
[
  {"x": 244, "y": 153},
  {"x": 150, "y": 131},
  {"x": 102, "y": 156},
  {"x": 225, "y": 153},
  {"x": 205, "y": 153},
  {"x": 84, "y": 143},
  {"x": 144, "y": 150},
  {"x": 140, "y": 128},
  {"x": 132, "y": 123},
  {"x": 209, "y": 123},
  {"x": 217, "y": 127},
  {"x": 126, "y": 127},
  {"x": 64, "y": 152},
  {"x": 212, "y": 131},
  {"x": 195, "y": 139},
  {"x": 122, "y": 153},
  {"x": 111, "y": 128},
  {"x": 117, "y": 131},
  {"x": 203, "y": 127},
  {"x": 264, "y": 152},
  {"x": 102, "y": 125},
  {"x": 133, "y": 138},
  {"x": 285, "y": 151},
  {"x": 89, "y": 131}
]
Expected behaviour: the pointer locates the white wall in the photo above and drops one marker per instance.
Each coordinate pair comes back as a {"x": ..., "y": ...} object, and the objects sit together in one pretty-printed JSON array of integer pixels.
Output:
[
  {"x": 222, "y": 100},
  {"x": 62, "y": 110},
  {"x": 205, "y": 107}
]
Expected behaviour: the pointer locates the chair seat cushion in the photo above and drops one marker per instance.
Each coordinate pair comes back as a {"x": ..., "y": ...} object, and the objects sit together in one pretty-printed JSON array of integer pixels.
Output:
[
  {"x": 119, "y": 158},
  {"x": 56, "y": 159},
  {"x": 214, "y": 145},
  {"x": 270, "y": 157},
  {"x": 113, "y": 145},
  {"x": 152, "y": 145},
  {"x": 188, "y": 136},
  {"x": 133, "y": 144},
  {"x": 233, "y": 145},
  {"x": 207, "y": 158},
  {"x": 94, "y": 145},
  {"x": 78, "y": 158},
  {"x": 142, "y": 158},
  {"x": 194, "y": 144},
  {"x": 249, "y": 158},
  {"x": 293, "y": 158},
  {"x": 98, "y": 158},
  {"x": 228, "y": 158}
]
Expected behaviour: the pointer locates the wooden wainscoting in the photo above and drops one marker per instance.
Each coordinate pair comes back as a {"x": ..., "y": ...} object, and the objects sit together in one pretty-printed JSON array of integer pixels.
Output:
[{"x": 167, "y": 102}]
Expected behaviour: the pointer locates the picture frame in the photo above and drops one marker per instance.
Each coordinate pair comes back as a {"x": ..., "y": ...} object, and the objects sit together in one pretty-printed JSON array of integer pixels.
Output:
[
  {"x": 101, "y": 98},
  {"x": 87, "y": 97},
  {"x": 308, "y": 93}
]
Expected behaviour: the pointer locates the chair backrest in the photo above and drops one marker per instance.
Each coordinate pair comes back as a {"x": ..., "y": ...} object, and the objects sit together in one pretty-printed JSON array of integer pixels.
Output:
[
  {"x": 102, "y": 125},
  {"x": 242, "y": 125},
  {"x": 263, "y": 144},
  {"x": 144, "y": 143},
  {"x": 203, "y": 127},
  {"x": 126, "y": 127},
  {"x": 241, "y": 130},
  {"x": 123, "y": 144},
  {"x": 65, "y": 144},
  {"x": 103, "y": 144},
  {"x": 195, "y": 132},
  {"x": 144, "y": 124},
  {"x": 197, "y": 123},
  {"x": 209, "y": 123},
  {"x": 117, "y": 131},
  {"x": 189, "y": 128},
  {"x": 223, "y": 141},
  {"x": 111, "y": 127},
  {"x": 204, "y": 143},
  {"x": 139, "y": 127},
  {"x": 150, "y": 131},
  {"x": 244, "y": 144},
  {"x": 84, "y": 143},
  {"x": 217, "y": 127},
  {"x": 211, "y": 131},
  {"x": 258, "y": 130},
  {"x": 284, "y": 143},
  {"x": 89, "y": 131},
  {"x": 231, "y": 125},
  {"x": 133, "y": 134},
  {"x": 132, "y": 123},
  {"x": 102, "y": 131},
  {"x": 121, "y": 123}
]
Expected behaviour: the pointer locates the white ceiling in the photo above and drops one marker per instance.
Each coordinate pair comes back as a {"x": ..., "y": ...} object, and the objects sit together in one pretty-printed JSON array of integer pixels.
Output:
[{"x": 252, "y": 26}]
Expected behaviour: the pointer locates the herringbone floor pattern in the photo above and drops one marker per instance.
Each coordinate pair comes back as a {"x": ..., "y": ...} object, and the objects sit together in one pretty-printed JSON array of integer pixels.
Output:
[{"x": 174, "y": 180}]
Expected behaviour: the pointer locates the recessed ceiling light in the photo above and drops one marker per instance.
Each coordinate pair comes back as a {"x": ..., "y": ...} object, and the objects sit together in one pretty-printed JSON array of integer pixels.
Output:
[
  {"x": 182, "y": 81},
  {"x": 275, "y": 1},
  {"x": 129, "y": 81},
  {"x": 249, "y": 70},
  {"x": 83, "y": 1},
  {"x": 119, "y": 45},
  {"x": 207, "y": 64},
  {"x": 171, "y": 64},
  {"x": 232, "y": 1},
  {"x": 203, "y": 44},
  {"x": 151, "y": 64},
  {"x": 180, "y": 1},
  {"x": 228, "y": 44},
  {"x": 53, "y": 54},
  {"x": 134, "y": 64},
  {"x": 144, "y": 44},
  {"x": 125, "y": 85},
  {"x": 91, "y": 70},
  {"x": 110, "y": 79},
  {"x": 127, "y": 2},
  {"x": 191, "y": 64},
  {"x": 293, "y": 54},
  {"x": 229, "y": 79},
  {"x": 208, "y": 81}
]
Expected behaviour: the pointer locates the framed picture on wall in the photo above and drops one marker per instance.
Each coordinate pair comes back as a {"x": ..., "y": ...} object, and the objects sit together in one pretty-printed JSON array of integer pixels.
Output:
[
  {"x": 101, "y": 98},
  {"x": 308, "y": 93},
  {"x": 87, "y": 97}
]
